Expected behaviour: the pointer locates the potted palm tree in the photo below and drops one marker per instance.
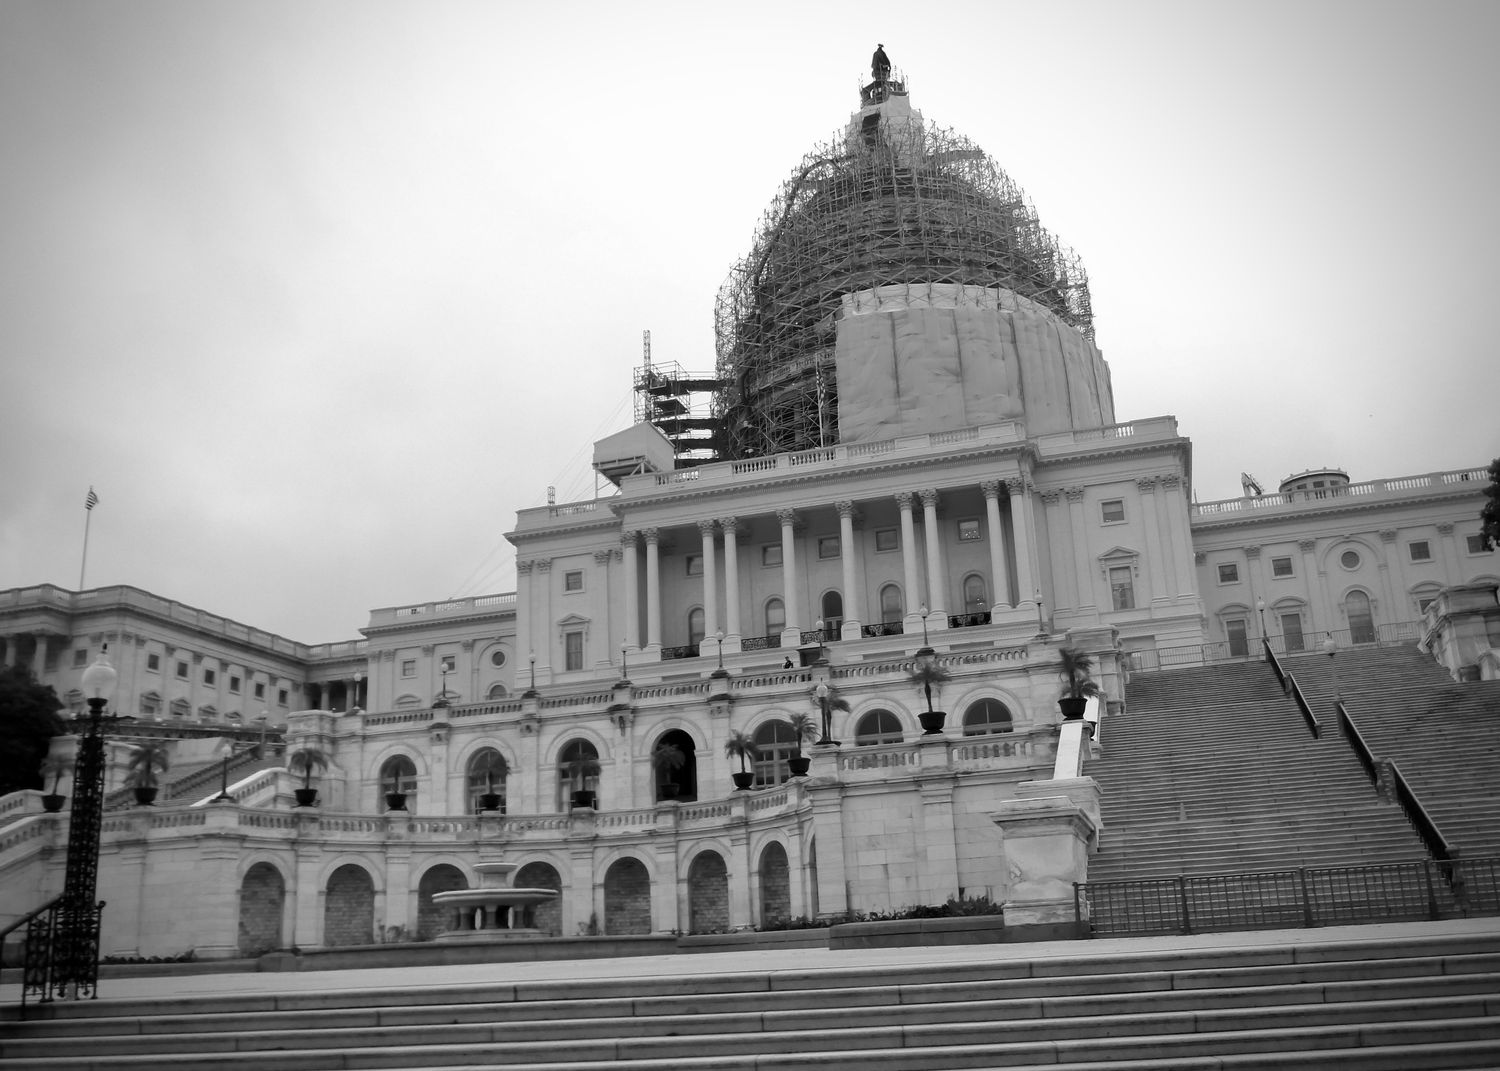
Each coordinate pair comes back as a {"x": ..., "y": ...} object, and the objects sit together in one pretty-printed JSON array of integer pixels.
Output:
[
  {"x": 665, "y": 759},
  {"x": 926, "y": 672},
  {"x": 1075, "y": 667},
  {"x": 143, "y": 770},
  {"x": 741, "y": 746},
  {"x": 803, "y": 728},
  {"x": 307, "y": 760},
  {"x": 497, "y": 770},
  {"x": 827, "y": 699},
  {"x": 579, "y": 771},
  {"x": 54, "y": 766}
]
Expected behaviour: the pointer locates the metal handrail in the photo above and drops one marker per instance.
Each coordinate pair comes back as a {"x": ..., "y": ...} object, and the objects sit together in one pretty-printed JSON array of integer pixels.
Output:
[
  {"x": 1357, "y": 741},
  {"x": 24, "y": 919},
  {"x": 1295, "y": 690},
  {"x": 1437, "y": 844},
  {"x": 1275, "y": 662}
]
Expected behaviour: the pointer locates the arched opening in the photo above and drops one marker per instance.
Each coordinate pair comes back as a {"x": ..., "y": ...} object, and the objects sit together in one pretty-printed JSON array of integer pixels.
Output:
[
  {"x": 695, "y": 626},
  {"x": 497, "y": 691},
  {"x": 675, "y": 783},
  {"x": 398, "y": 776},
  {"x": 986, "y": 716},
  {"x": 1361, "y": 617},
  {"x": 349, "y": 907},
  {"x": 577, "y": 775},
  {"x": 833, "y": 613},
  {"x": 262, "y": 906},
  {"x": 485, "y": 775},
  {"x": 892, "y": 610},
  {"x": 432, "y": 919},
  {"x": 708, "y": 894},
  {"x": 976, "y": 594},
  {"x": 775, "y": 884},
  {"x": 877, "y": 727},
  {"x": 627, "y": 898},
  {"x": 547, "y": 916},
  {"x": 775, "y": 617},
  {"x": 774, "y": 743}
]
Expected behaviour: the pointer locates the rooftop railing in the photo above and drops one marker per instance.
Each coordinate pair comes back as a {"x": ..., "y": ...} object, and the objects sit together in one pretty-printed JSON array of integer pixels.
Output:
[{"x": 1400, "y": 487}]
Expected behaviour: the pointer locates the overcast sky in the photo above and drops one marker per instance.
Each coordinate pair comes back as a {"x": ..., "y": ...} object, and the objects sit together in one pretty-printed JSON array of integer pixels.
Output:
[{"x": 316, "y": 295}]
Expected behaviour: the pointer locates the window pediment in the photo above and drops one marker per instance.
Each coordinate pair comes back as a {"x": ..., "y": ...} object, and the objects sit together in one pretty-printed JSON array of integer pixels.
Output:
[{"x": 1117, "y": 557}]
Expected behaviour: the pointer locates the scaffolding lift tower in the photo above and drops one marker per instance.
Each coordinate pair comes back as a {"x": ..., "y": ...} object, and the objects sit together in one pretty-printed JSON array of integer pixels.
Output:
[{"x": 678, "y": 403}]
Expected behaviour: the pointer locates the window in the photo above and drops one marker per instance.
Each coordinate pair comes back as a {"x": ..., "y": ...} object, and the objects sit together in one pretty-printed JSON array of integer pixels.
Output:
[
  {"x": 1112, "y": 511},
  {"x": 260, "y": 690},
  {"x": 573, "y": 580},
  {"x": 828, "y": 547},
  {"x": 887, "y": 539},
  {"x": 695, "y": 565},
  {"x": 891, "y": 608},
  {"x": 209, "y": 676},
  {"x": 180, "y": 708},
  {"x": 398, "y": 774},
  {"x": 770, "y": 554},
  {"x": 968, "y": 531},
  {"x": 1419, "y": 551},
  {"x": 408, "y": 667},
  {"x": 1239, "y": 643},
  {"x": 572, "y": 650},
  {"x": 281, "y": 697},
  {"x": 1291, "y": 633},
  {"x": 1121, "y": 587},
  {"x": 1475, "y": 544},
  {"x": 1229, "y": 573},
  {"x": 976, "y": 595},
  {"x": 774, "y": 743},
  {"x": 153, "y": 663},
  {"x": 182, "y": 671},
  {"x": 878, "y": 727},
  {"x": 986, "y": 717},
  {"x": 1281, "y": 566},
  {"x": 833, "y": 611},
  {"x": 447, "y": 663},
  {"x": 486, "y": 774},
  {"x": 150, "y": 705},
  {"x": 1424, "y": 601},
  {"x": 80, "y": 657},
  {"x": 1361, "y": 617},
  {"x": 577, "y": 771},
  {"x": 497, "y": 691},
  {"x": 775, "y": 617},
  {"x": 695, "y": 626},
  {"x": 497, "y": 658},
  {"x": 234, "y": 684},
  {"x": 1349, "y": 559}
]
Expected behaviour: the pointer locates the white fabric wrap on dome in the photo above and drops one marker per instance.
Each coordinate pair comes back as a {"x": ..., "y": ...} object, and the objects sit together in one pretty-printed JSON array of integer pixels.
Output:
[{"x": 912, "y": 359}]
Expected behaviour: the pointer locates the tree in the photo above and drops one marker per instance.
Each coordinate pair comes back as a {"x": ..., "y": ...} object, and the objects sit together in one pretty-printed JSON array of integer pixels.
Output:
[
  {"x": 147, "y": 762},
  {"x": 28, "y": 722},
  {"x": 1075, "y": 667},
  {"x": 741, "y": 746},
  {"x": 307, "y": 761},
  {"x": 803, "y": 728},
  {"x": 1489, "y": 516}
]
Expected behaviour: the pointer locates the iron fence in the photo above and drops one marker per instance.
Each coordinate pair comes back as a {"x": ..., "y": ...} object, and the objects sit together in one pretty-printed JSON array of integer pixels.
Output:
[
  {"x": 1387, "y": 635},
  {"x": 885, "y": 628},
  {"x": 1307, "y": 896}
]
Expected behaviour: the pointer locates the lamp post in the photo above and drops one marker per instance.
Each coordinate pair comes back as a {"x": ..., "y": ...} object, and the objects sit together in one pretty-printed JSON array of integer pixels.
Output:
[
  {"x": 533, "y": 671},
  {"x": 624, "y": 664},
  {"x": 719, "y": 639},
  {"x": 1260, "y": 608},
  {"x": 822, "y": 652},
  {"x": 231, "y": 752},
  {"x": 822, "y": 693},
  {"x": 442, "y": 699},
  {"x": 1330, "y": 649},
  {"x": 75, "y": 963},
  {"x": 923, "y": 611},
  {"x": 926, "y": 659},
  {"x": 263, "y": 719},
  {"x": 1041, "y": 621}
]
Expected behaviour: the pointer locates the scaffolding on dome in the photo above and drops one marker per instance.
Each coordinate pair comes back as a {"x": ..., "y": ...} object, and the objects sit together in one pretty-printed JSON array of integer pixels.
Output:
[{"x": 884, "y": 203}]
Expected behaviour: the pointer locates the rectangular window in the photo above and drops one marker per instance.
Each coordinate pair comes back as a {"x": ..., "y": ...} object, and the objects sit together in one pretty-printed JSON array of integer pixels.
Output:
[
  {"x": 281, "y": 697},
  {"x": 770, "y": 554},
  {"x": 828, "y": 547},
  {"x": 260, "y": 690},
  {"x": 1424, "y": 602},
  {"x": 572, "y": 650},
  {"x": 1239, "y": 643},
  {"x": 968, "y": 531},
  {"x": 1291, "y": 632},
  {"x": 1475, "y": 544},
  {"x": 1420, "y": 551},
  {"x": 1112, "y": 511},
  {"x": 573, "y": 580},
  {"x": 447, "y": 663},
  {"x": 182, "y": 671},
  {"x": 234, "y": 685},
  {"x": 153, "y": 663},
  {"x": 1281, "y": 566},
  {"x": 1229, "y": 573},
  {"x": 695, "y": 565},
  {"x": 1122, "y": 587},
  {"x": 408, "y": 667},
  {"x": 887, "y": 539},
  {"x": 209, "y": 676},
  {"x": 80, "y": 657}
]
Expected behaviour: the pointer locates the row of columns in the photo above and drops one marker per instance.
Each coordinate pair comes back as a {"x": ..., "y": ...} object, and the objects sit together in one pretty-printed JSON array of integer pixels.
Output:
[{"x": 11, "y": 655}]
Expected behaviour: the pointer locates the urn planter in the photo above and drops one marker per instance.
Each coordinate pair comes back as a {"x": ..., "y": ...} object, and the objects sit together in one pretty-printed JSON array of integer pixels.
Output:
[
  {"x": 52, "y": 802},
  {"x": 1072, "y": 707},
  {"x": 145, "y": 796},
  {"x": 306, "y": 797},
  {"x": 742, "y": 781},
  {"x": 584, "y": 798},
  {"x": 932, "y": 721},
  {"x": 799, "y": 765},
  {"x": 489, "y": 801},
  {"x": 395, "y": 801}
]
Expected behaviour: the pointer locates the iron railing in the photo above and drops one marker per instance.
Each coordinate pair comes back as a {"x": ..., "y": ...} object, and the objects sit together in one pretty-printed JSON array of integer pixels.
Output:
[
  {"x": 968, "y": 620},
  {"x": 885, "y": 628},
  {"x": 820, "y": 635},
  {"x": 1307, "y": 896},
  {"x": 1294, "y": 690},
  {"x": 1387, "y": 635},
  {"x": 686, "y": 651},
  {"x": 1436, "y": 844},
  {"x": 761, "y": 643},
  {"x": 52, "y": 939}
]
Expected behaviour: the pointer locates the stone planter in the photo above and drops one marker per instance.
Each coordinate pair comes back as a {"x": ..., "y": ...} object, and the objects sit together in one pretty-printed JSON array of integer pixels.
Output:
[
  {"x": 932, "y": 721},
  {"x": 306, "y": 797},
  {"x": 52, "y": 802},
  {"x": 584, "y": 798},
  {"x": 489, "y": 801},
  {"x": 144, "y": 797},
  {"x": 798, "y": 765},
  {"x": 1072, "y": 707},
  {"x": 742, "y": 781},
  {"x": 395, "y": 801}
]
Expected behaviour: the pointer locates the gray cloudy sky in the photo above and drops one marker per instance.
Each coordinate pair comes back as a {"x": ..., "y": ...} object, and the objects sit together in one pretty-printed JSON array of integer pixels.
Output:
[{"x": 316, "y": 295}]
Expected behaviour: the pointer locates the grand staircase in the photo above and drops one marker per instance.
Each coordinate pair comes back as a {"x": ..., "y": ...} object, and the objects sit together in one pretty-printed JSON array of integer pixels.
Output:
[
  {"x": 1404, "y": 1003},
  {"x": 1212, "y": 770}
]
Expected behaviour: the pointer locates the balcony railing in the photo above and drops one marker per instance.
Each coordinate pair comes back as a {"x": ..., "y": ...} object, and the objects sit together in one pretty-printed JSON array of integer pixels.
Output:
[
  {"x": 969, "y": 620},
  {"x": 1456, "y": 479},
  {"x": 884, "y": 628},
  {"x": 761, "y": 643},
  {"x": 689, "y": 650},
  {"x": 1392, "y": 634}
]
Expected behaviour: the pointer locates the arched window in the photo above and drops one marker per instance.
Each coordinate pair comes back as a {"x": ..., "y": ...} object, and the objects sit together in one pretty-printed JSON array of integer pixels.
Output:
[
  {"x": 398, "y": 774},
  {"x": 695, "y": 626},
  {"x": 986, "y": 716},
  {"x": 833, "y": 611},
  {"x": 878, "y": 727},
  {"x": 775, "y": 742},
  {"x": 577, "y": 771},
  {"x": 775, "y": 617},
  {"x": 407, "y": 701},
  {"x": 497, "y": 691},
  {"x": 1361, "y": 619},
  {"x": 976, "y": 594},
  {"x": 891, "y": 609},
  {"x": 675, "y": 782},
  {"x": 486, "y": 773}
]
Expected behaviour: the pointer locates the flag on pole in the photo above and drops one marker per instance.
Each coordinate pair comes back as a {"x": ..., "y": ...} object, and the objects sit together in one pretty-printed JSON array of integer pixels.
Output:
[{"x": 91, "y": 501}]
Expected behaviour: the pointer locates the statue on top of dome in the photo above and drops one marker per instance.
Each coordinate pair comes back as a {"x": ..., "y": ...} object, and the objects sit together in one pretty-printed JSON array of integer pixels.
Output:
[{"x": 880, "y": 64}]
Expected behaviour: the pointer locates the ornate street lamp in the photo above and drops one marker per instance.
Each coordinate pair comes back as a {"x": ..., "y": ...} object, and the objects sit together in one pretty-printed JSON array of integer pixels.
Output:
[
  {"x": 1330, "y": 649},
  {"x": 533, "y": 671},
  {"x": 233, "y": 751},
  {"x": 1260, "y": 608},
  {"x": 924, "y": 612},
  {"x": 719, "y": 639},
  {"x": 624, "y": 664},
  {"x": 823, "y": 704}
]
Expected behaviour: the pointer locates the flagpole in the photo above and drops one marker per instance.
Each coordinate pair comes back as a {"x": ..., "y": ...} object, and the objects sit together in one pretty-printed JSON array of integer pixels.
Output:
[{"x": 88, "y": 513}]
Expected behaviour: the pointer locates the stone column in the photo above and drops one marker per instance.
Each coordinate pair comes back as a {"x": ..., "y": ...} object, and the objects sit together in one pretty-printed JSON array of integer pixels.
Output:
[
  {"x": 710, "y": 580},
  {"x": 732, "y": 626},
  {"x": 1177, "y": 527},
  {"x": 525, "y": 615},
  {"x": 543, "y": 636},
  {"x": 936, "y": 583},
  {"x": 999, "y": 575},
  {"x": 629, "y": 542},
  {"x": 653, "y": 589},
  {"x": 1084, "y": 596},
  {"x": 39, "y": 655},
  {"x": 913, "y": 594},
  {"x": 788, "y": 519},
  {"x": 1448, "y": 557},
  {"x": 1064, "y": 580},
  {"x": 1160, "y": 593},
  {"x": 1025, "y": 528},
  {"x": 606, "y": 608},
  {"x": 1317, "y": 612},
  {"x": 852, "y": 609}
]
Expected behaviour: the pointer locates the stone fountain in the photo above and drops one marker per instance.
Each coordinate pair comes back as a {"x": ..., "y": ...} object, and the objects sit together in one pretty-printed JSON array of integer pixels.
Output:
[{"x": 495, "y": 910}]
